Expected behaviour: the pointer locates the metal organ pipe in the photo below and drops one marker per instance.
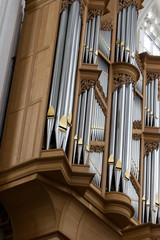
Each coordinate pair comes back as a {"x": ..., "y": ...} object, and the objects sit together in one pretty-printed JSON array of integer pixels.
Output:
[
  {"x": 56, "y": 76},
  {"x": 66, "y": 80},
  {"x": 64, "y": 74},
  {"x": 121, "y": 143},
  {"x": 151, "y": 190},
  {"x": 152, "y": 104},
  {"x": 86, "y": 99}
]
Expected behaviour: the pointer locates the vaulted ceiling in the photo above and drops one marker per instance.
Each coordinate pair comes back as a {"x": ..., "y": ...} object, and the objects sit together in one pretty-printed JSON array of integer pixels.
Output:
[{"x": 149, "y": 19}]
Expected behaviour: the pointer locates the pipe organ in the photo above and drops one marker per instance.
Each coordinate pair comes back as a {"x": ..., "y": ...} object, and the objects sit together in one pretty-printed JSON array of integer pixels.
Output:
[
  {"x": 64, "y": 74},
  {"x": 82, "y": 128},
  {"x": 84, "y": 61}
]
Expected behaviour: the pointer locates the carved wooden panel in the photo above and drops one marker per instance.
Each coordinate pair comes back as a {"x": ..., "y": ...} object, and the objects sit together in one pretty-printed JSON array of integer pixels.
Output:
[{"x": 29, "y": 34}]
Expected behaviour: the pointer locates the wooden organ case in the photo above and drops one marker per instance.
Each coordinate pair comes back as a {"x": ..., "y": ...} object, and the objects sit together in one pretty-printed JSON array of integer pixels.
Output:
[{"x": 80, "y": 147}]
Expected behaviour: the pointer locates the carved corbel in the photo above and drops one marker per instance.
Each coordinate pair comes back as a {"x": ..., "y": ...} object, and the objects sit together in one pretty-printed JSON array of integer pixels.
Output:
[
  {"x": 107, "y": 25},
  {"x": 150, "y": 147},
  {"x": 137, "y": 124}
]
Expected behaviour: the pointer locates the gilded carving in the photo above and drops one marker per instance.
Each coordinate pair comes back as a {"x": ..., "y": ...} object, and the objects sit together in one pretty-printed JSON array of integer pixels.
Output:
[
  {"x": 126, "y": 3},
  {"x": 107, "y": 25},
  {"x": 120, "y": 79},
  {"x": 151, "y": 76},
  {"x": 93, "y": 13},
  {"x": 96, "y": 148},
  {"x": 137, "y": 124},
  {"x": 150, "y": 147},
  {"x": 136, "y": 137},
  {"x": 66, "y": 3},
  {"x": 86, "y": 84}
]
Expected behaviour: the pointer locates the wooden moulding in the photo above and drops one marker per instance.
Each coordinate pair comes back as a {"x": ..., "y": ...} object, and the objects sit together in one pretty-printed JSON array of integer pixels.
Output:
[
  {"x": 135, "y": 183},
  {"x": 146, "y": 231},
  {"x": 118, "y": 208},
  {"x": 128, "y": 70},
  {"x": 152, "y": 134},
  {"x": 24, "y": 183},
  {"x": 52, "y": 164},
  {"x": 98, "y": 4},
  {"x": 150, "y": 63}
]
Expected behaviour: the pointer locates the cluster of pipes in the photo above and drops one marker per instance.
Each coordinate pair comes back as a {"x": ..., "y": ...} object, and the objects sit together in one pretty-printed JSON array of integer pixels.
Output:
[
  {"x": 59, "y": 116},
  {"x": 98, "y": 124},
  {"x": 151, "y": 188},
  {"x": 87, "y": 103},
  {"x": 124, "y": 152},
  {"x": 122, "y": 104},
  {"x": 152, "y": 104}
]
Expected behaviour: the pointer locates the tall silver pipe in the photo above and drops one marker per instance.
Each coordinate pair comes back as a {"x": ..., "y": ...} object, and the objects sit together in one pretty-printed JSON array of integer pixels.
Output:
[
  {"x": 86, "y": 147},
  {"x": 146, "y": 97},
  {"x": 92, "y": 40},
  {"x": 81, "y": 125},
  {"x": 88, "y": 41},
  {"x": 73, "y": 77},
  {"x": 95, "y": 48},
  {"x": 127, "y": 138},
  {"x": 133, "y": 34},
  {"x": 144, "y": 189},
  {"x": 112, "y": 137},
  {"x": 61, "y": 120},
  {"x": 119, "y": 139},
  {"x": 124, "y": 11},
  {"x": 118, "y": 35},
  {"x": 151, "y": 102},
  {"x": 155, "y": 106},
  {"x": 148, "y": 104},
  {"x": 128, "y": 32},
  {"x": 85, "y": 43},
  {"x": 148, "y": 187},
  {"x": 77, "y": 127},
  {"x": 56, "y": 75}
]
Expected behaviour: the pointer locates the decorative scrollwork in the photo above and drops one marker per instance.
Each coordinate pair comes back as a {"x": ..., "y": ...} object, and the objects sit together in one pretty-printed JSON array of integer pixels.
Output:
[
  {"x": 86, "y": 84},
  {"x": 151, "y": 76},
  {"x": 137, "y": 124},
  {"x": 136, "y": 137},
  {"x": 93, "y": 13},
  {"x": 139, "y": 62},
  {"x": 96, "y": 148},
  {"x": 120, "y": 79},
  {"x": 66, "y": 3},
  {"x": 107, "y": 25},
  {"x": 126, "y": 3},
  {"x": 150, "y": 147}
]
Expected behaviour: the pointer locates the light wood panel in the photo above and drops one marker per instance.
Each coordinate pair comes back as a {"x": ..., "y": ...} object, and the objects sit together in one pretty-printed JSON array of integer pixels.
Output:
[{"x": 23, "y": 131}]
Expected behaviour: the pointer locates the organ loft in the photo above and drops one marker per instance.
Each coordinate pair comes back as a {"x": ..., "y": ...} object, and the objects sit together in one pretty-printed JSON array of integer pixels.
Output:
[{"x": 79, "y": 124}]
